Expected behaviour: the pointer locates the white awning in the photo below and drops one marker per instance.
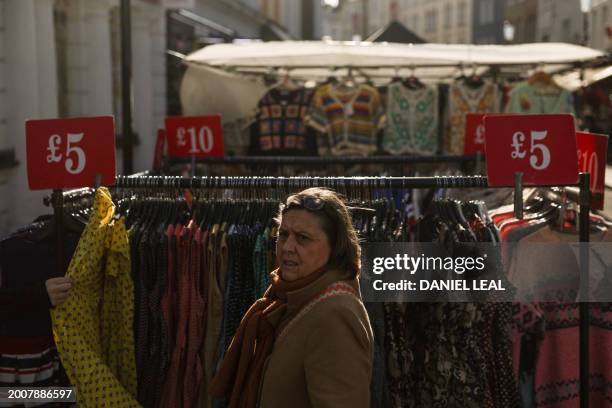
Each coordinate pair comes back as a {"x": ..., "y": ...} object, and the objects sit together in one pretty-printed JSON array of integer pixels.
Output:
[
  {"x": 576, "y": 79},
  {"x": 206, "y": 88},
  {"x": 327, "y": 55}
]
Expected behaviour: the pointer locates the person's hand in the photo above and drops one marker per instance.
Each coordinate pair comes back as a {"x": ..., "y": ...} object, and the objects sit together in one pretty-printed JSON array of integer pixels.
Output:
[{"x": 58, "y": 289}]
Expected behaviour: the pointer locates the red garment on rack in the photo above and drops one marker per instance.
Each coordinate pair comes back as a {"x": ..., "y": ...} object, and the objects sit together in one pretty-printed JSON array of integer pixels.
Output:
[
  {"x": 555, "y": 326},
  {"x": 194, "y": 371},
  {"x": 175, "y": 374}
]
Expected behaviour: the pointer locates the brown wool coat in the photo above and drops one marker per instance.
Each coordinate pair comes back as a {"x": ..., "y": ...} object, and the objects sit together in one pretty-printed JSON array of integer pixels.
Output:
[{"x": 323, "y": 359}]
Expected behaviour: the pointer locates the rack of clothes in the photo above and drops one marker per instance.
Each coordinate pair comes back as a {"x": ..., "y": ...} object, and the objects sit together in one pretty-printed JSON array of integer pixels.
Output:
[
  {"x": 349, "y": 115},
  {"x": 542, "y": 260},
  {"x": 171, "y": 227}
]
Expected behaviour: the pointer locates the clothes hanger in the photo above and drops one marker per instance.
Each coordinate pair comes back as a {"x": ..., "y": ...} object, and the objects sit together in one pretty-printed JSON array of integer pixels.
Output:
[
  {"x": 542, "y": 78},
  {"x": 474, "y": 80},
  {"x": 396, "y": 77},
  {"x": 286, "y": 83},
  {"x": 412, "y": 81},
  {"x": 348, "y": 82},
  {"x": 331, "y": 79}
]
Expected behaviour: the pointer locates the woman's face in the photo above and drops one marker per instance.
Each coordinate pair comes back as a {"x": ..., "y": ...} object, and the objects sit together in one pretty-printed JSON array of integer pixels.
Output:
[{"x": 302, "y": 246}]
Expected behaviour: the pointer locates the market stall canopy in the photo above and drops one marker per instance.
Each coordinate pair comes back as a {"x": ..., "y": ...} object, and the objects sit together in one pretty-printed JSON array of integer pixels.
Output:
[
  {"x": 207, "y": 90},
  {"x": 576, "y": 79},
  {"x": 333, "y": 54},
  {"x": 227, "y": 78}
]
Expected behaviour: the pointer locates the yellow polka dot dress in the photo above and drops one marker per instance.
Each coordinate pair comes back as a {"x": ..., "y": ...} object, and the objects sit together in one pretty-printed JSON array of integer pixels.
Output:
[{"x": 93, "y": 328}]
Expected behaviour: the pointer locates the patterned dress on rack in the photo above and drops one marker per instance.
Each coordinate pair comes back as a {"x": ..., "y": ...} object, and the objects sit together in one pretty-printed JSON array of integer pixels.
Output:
[
  {"x": 412, "y": 120},
  {"x": 77, "y": 322},
  {"x": 348, "y": 118},
  {"x": 462, "y": 100}
]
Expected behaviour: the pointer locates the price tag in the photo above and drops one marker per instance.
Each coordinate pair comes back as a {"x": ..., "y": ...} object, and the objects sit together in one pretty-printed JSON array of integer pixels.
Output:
[
  {"x": 160, "y": 145},
  {"x": 199, "y": 136},
  {"x": 474, "y": 133},
  {"x": 592, "y": 156},
  {"x": 69, "y": 153},
  {"x": 542, "y": 147}
]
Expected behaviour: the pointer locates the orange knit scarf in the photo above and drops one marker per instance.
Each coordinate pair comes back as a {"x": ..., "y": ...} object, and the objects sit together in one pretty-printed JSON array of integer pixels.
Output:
[{"x": 240, "y": 373}]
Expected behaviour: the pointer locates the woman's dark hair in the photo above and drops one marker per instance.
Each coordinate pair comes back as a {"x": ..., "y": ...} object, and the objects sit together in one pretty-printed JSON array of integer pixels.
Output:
[{"x": 336, "y": 222}]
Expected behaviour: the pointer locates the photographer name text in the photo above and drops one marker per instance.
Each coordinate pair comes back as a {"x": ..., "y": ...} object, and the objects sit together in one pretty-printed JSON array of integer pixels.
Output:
[{"x": 440, "y": 285}]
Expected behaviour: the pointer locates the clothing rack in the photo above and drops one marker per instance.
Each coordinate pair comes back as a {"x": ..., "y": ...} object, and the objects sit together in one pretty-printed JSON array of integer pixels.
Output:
[
  {"x": 251, "y": 182},
  {"x": 77, "y": 194},
  {"x": 70, "y": 195},
  {"x": 254, "y": 182}
]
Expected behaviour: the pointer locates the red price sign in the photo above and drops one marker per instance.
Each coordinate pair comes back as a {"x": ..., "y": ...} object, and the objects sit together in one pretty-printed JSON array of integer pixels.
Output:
[
  {"x": 199, "y": 136},
  {"x": 474, "y": 133},
  {"x": 592, "y": 156},
  {"x": 542, "y": 147},
  {"x": 69, "y": 153}
]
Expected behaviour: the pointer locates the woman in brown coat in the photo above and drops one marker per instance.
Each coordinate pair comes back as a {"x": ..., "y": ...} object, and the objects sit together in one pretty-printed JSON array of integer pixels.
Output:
[{"x": 308, "y": 341}]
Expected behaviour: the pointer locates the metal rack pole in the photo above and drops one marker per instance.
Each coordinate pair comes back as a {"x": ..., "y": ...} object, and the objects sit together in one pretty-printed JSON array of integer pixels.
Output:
[
  {"x": 58, "y": 213},
  {"x": 126, "y": 86},
  {"x": 584, "y": 231},
  {"x": 299, "y": 182}
]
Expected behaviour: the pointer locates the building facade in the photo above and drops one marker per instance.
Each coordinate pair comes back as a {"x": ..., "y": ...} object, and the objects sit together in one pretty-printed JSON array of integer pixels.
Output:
[
  {"x": 61, "y": 58},
  {"x": 302, "y": 19},
  {"x": 560, "y": 21},
  {"x": 346, "y": 20},
  {"x": 442, "y": 21},
  {"x": 523, "y": 16},
  {"x": 488, "y": 22},
  {"x": 600, "y": 25}
]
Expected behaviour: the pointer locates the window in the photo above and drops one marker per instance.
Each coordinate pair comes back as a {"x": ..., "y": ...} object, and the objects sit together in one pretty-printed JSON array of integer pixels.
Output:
[
  {"x": 593, "y": 23},
  {"x": 604, "y": 16},
  {"x": 461, "y": 14},
  {"x": 448, "y": 15},
  {"x": 434, "y": 20},
  {"x": 486, "y": 12},
  {"x": 431, "y": 21},
  {"x": 414, "y": 25},
  {"x": 566, "y": 29}
]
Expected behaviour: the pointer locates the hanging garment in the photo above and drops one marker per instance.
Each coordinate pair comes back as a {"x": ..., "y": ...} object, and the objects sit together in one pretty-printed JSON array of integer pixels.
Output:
[
  {"x": 77, "y": 322},
  {"x": 451, "y": 354},
  {"x": 192, "y": 367},
  {"x": 526, "y": 98},
  {"x": 217, "y": 257},
  {"x": 463, "y": 99},
  {"x": 349, "y": 119},
  {"x": 117, "y": 317},
  {"x": 149, "y": 270},
  {"x": 279, "y": 128},
  {"x": 28, "y": 257},
  {"x": 412, "y": 120},
  {"x": 553, "y": 378}
]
